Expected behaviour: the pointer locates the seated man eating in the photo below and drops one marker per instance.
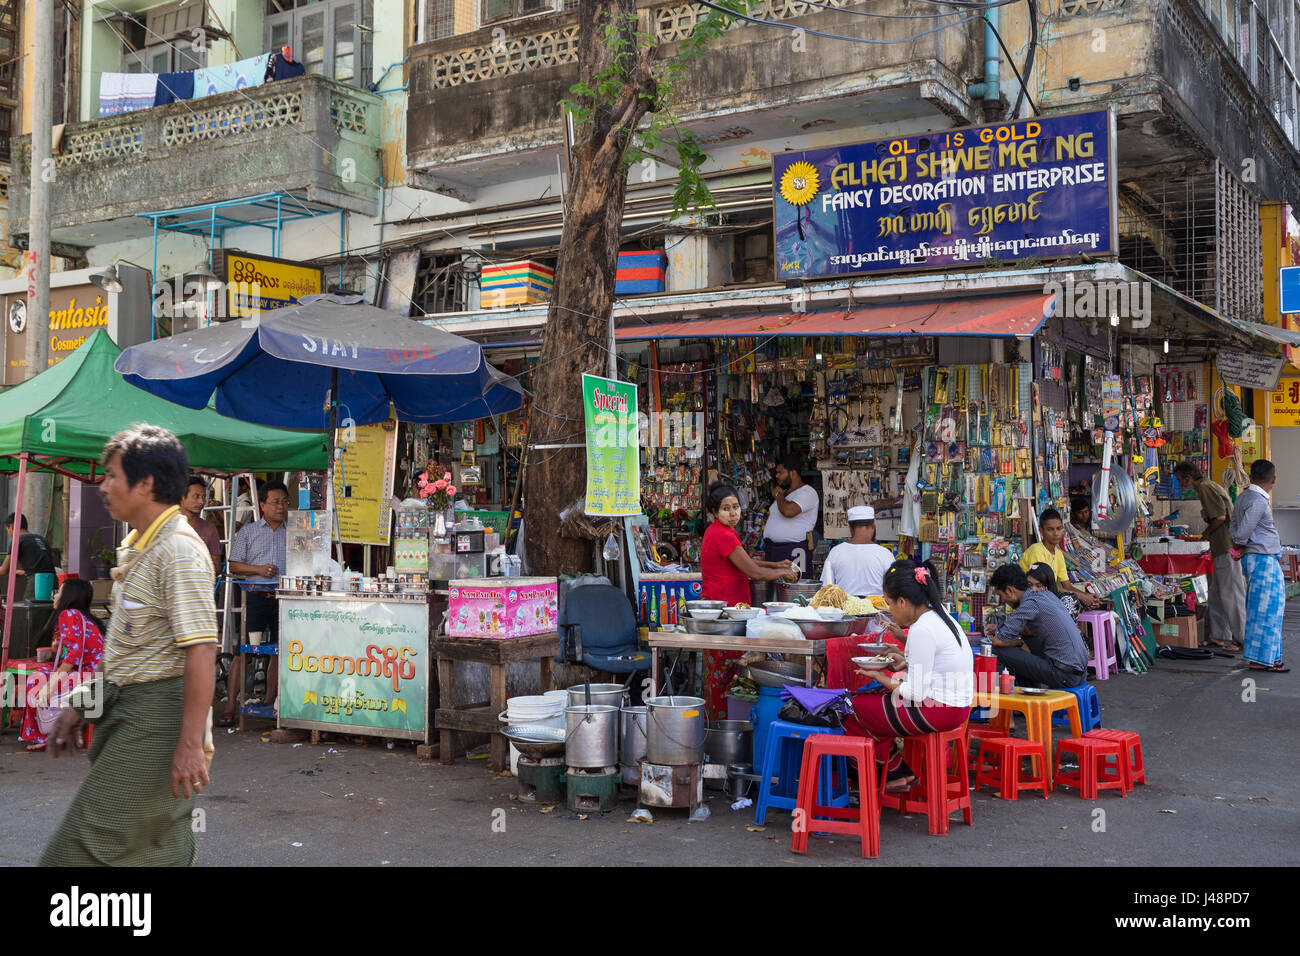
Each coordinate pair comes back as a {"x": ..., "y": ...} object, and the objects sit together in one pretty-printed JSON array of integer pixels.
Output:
[{"x": 1038, "y": 642}]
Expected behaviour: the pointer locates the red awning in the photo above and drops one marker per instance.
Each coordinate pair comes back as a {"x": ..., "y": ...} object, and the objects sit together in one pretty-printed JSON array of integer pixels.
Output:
[{"x": 985, "y": 316}]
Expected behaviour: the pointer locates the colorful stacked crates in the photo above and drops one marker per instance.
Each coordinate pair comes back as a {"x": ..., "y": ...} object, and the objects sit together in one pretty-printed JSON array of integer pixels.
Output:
[
  {"x": 515, "y": 283},
  {"x": 640, "y": 272}
]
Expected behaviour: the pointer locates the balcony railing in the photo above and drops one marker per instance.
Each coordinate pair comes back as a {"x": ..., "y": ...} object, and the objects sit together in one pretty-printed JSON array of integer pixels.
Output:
[{"x": 309, "y": 135}]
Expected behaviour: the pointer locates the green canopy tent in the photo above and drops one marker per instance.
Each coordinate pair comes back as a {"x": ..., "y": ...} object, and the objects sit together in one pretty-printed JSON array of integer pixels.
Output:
[{"x": 60, "y": 421}]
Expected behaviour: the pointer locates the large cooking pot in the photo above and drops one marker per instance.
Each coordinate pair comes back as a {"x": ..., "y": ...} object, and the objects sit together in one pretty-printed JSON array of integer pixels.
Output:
[
  {"x": 631, "y": 735},
  {"x": 611, "y": 695},
  {"x": 675, "y": 731},
  {"x": 592, "y": 736},
  {"x": 729, "y": 742},
  {"x": 760, "y": 592},
  {"x": 793, "y": 590}
]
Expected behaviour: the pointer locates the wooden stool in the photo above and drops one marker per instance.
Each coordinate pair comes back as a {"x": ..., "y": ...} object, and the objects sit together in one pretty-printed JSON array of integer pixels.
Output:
[{"x": 481, "y": 717}]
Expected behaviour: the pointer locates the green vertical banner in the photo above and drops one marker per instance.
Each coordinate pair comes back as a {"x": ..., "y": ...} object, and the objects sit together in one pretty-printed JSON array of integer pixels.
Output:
[{"x": 613, "y": 462}]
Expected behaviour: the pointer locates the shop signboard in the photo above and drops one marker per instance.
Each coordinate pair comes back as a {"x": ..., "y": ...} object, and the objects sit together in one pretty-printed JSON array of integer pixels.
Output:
[
  {"x": 355, "y": 665},
  {"x": 278, "y": 282},
  {"x": 363, "y": 482},
  {"x": 1284, "y": 404},
  {"x": 1249, "y": 369},
  {"x": 613, "y": 459},
  {"x": 1041, "y": 188}
]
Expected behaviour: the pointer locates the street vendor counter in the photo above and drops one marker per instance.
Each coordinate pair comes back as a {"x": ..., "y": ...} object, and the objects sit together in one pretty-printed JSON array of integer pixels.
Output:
[
  {"x": 785, "y": 646},
  {"x": 355, "y": 663}
]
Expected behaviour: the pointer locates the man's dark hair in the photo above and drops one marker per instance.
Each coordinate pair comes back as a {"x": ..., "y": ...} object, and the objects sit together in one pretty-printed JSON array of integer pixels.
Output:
[
  {"x": 10, "y": 520},
  {"x": 855, "y": 525},
  {"x": 1049, "y": 514},
  {"x": 1078, "y": 503},
  {"x": 1187, "y": 470},
  {"x": 791, "y": 462},
  {"x": 196, "y": 480},
  {"x": 147, "y": 451},
  {"x": 1009, "y": 576},
  {"x": 1261, "y": 470},
  {"x": 264, "y": 490}
]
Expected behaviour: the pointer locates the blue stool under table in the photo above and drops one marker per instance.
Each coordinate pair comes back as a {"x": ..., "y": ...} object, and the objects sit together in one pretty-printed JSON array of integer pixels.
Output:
[
  {"x": 783, "y": 757},
  {"x": 1089, "y": 708}
]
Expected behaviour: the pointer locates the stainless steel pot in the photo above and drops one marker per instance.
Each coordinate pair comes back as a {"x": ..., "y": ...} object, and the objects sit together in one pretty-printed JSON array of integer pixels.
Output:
[
  {"x": 592, "y": 736},
  {"x": 729, "y": 742},
  {"x": 631, "y": 735},
  {"x": 611, "y": 695},
  {"x": 760, "y": 592},
  {"x": 793, "y": 590},
  {"x": 675, "y": 731}
]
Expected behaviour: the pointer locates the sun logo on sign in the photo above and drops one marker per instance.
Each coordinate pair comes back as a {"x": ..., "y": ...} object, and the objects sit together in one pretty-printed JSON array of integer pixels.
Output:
[{"x": 799, "y": 184}]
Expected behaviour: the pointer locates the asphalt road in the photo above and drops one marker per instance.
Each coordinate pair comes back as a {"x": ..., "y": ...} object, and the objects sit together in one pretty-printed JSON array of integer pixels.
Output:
[{"x": 1219, "y": 743}]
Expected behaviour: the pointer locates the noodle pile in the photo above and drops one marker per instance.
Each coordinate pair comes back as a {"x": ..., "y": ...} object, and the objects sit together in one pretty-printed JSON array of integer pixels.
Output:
[{"x": 831, "y": 595}]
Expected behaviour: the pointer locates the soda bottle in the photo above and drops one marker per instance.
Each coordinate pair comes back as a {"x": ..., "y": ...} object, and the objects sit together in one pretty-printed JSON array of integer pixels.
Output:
[
  {"x": 653, "y": 619},
  {"x": 665, "y": 613}
]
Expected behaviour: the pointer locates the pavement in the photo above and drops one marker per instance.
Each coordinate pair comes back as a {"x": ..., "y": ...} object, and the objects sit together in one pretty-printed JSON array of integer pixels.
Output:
[{"x": 1219, "y": 744}]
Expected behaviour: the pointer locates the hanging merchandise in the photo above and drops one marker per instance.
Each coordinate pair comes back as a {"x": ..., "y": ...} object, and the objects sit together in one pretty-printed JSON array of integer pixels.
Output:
[{"x": 1184, "y": 407}]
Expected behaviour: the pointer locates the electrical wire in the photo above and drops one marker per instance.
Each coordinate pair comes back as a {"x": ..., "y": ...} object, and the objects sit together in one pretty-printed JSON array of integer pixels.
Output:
[
  {"x": 1024, "y": 92},
  {"x": 1032, "y": 7}
]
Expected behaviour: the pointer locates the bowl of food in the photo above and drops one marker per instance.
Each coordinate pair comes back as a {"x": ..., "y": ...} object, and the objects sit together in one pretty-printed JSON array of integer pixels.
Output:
[
  {"x": 742, "y": 612},
  {"x": 871, "y": 663},
  {"x": 778, "y": 607},
  {"x": 857, "y": 605},
  {"x": 705, "y": 613},
  {"x": 877, "y": 649},
  {"x": 831, "y": 613}
]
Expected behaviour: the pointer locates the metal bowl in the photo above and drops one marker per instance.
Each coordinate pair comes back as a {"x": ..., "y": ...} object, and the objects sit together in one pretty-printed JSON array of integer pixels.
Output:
[
  {"x": 742, "y": 613},
  {"x": 776, "y": 673},
  {"x": 715, "y": 628},
  {"x": 858, "y": 623},
  {"x": 706, "y": 605},
  {"x": 536, "y": 740},
  {"x": 705, "y": 613},
  {"x": 821, "y": 630}
]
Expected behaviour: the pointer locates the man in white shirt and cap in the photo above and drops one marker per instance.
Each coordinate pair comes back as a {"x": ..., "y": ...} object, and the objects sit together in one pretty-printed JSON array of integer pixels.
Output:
[{"x": 858, "y": 565}]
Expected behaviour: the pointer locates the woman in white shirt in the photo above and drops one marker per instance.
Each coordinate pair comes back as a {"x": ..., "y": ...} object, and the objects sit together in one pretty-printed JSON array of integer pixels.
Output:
[{"x": 938, "y": 689}]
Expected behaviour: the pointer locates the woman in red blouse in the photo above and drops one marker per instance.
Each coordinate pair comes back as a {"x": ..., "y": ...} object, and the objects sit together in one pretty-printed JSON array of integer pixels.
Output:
[
  {"x": 78, "y": 650},
  {"x": 726, "y": 570}
]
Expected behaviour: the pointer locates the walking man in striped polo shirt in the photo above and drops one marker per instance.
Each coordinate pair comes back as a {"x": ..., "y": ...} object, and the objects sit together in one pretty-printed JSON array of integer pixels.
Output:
[{"x": 152, "y": 706}]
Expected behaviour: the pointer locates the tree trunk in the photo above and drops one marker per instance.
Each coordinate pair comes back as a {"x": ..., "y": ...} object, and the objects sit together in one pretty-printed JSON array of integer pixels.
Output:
[{"x": 577, "y": 325}]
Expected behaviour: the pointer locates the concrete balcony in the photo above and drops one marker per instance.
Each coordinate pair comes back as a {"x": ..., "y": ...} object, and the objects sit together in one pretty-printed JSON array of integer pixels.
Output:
[
  {"x": 483, "y": 105},
  {"x": 310, "y": 136}
]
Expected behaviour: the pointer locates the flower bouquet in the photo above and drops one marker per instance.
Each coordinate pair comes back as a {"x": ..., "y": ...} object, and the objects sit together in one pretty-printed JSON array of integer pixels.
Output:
[{"x": 437, "y": 495}]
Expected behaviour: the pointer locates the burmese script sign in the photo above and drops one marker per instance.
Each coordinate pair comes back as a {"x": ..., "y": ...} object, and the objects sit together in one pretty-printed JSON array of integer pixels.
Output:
[
  {"x": 1041, "y": 188},
  {"x": 355, "y": 665}
]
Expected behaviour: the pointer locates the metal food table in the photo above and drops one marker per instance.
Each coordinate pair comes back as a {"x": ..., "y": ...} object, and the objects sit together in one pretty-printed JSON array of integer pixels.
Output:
[{"x": 785, "y": 646}]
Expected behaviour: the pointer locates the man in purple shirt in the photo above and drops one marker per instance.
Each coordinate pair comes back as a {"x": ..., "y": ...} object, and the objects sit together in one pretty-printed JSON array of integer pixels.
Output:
[{"x": 192, "y": 505}]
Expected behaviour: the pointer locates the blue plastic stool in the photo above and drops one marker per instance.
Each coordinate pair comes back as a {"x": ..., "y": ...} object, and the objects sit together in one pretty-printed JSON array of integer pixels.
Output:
[
  {"x": 1089, "y": 708},
  {"x": 763, "y": 713},
  {"x": 783, "y": 757}
]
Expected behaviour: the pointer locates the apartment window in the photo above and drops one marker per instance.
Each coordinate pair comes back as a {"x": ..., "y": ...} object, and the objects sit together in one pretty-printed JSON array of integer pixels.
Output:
[
  {"x": 751, "y": 259},
  {"x": 496, "y": 10},
  {"x": 440, "y": 19},
  {"x": 330, "y": 38},
  {"x": 164, "y": 58},
  {"x": 442, "y": 284}
]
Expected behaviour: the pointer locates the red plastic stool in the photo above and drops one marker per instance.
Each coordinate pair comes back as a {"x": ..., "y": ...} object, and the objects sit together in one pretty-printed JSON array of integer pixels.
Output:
[
  {"x": 975, "y": 735},
  {"x": 942, "y": 771},
  {"x": 1131, "y": 744},
  {"x": 1094, "y": 773},
  {"x": 1005, "y": 773},
  {"x": 864, "y": 820}
]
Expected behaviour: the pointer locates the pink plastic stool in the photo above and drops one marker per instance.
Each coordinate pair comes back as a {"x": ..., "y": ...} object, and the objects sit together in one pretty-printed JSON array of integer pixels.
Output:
[{"x": 1105, "y": 648}]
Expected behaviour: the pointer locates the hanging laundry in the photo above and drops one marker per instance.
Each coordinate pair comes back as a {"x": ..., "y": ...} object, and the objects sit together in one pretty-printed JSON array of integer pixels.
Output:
[
  {"x": 173, "y": 87},
  {"x": 126, "y": 92},
  {"x": 212, "y": 80},
  {"x": 283, "y": 66}
]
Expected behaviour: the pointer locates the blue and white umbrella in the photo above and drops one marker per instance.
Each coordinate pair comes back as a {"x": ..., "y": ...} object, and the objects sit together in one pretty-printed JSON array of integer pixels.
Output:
[{"x": 279, "y": 371}]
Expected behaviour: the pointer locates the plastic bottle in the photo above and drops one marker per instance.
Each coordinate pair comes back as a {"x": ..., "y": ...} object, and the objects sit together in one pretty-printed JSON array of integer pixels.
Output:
[
  {"x": 653, "y": 619},
  {"x": 1008, "y": 682}
]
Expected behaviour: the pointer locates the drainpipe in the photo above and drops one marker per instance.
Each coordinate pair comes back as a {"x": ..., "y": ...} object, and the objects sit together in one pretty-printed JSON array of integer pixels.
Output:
[{"x": 989, "y": 90}]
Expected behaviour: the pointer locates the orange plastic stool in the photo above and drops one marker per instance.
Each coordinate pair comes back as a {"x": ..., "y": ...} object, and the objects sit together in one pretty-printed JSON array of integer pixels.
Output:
[
  {"x": 942, "y": 771},
  {"x": 864, "y": 820},
  {"x": 1131, "y": 744},
  {"x": 1094, "y": 772},
  {"x": 998, "y": 765}
]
